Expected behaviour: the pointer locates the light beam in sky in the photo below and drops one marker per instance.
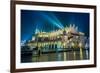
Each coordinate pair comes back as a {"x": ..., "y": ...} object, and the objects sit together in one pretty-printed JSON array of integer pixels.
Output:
[{"x": 52, "y": 19}]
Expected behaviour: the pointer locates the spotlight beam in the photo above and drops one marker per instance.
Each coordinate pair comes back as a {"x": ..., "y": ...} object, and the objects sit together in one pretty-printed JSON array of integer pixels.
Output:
[{"x": 52, "y": 19}]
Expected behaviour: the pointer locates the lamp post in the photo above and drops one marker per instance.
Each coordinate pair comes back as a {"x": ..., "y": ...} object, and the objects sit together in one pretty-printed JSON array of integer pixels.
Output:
[
  {"x": 81, "y": 53},
  {"x": 73, "y": 46},
  {"x": 87, "y": 50}
]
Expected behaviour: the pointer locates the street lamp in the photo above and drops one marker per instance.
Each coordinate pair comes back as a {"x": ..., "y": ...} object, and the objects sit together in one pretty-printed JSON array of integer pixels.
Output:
[
  {"x": 73, "y": 47},
  {"x": 81, "y": 53},
  {"x": 87, "y": 50}
]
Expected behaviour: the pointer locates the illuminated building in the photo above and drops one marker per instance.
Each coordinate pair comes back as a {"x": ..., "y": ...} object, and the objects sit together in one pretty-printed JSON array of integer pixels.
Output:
[{"x": 58, "y": 40}]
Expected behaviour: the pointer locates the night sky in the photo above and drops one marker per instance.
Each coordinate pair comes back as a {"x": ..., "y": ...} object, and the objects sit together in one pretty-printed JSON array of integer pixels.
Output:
[{"x": 34, "y": 21}]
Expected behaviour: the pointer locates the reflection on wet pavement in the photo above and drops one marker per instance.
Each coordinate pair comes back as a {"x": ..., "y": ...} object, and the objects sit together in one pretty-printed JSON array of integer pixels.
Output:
[{"x": 57, "y": 56}]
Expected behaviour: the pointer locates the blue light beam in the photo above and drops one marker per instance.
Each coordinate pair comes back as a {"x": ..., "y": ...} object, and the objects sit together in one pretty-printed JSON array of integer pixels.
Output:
[{"x": 52, "y": 19}]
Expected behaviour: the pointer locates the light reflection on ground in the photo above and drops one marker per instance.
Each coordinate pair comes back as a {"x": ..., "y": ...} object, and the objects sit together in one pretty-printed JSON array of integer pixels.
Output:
[{"x": 57, "y": 56}]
